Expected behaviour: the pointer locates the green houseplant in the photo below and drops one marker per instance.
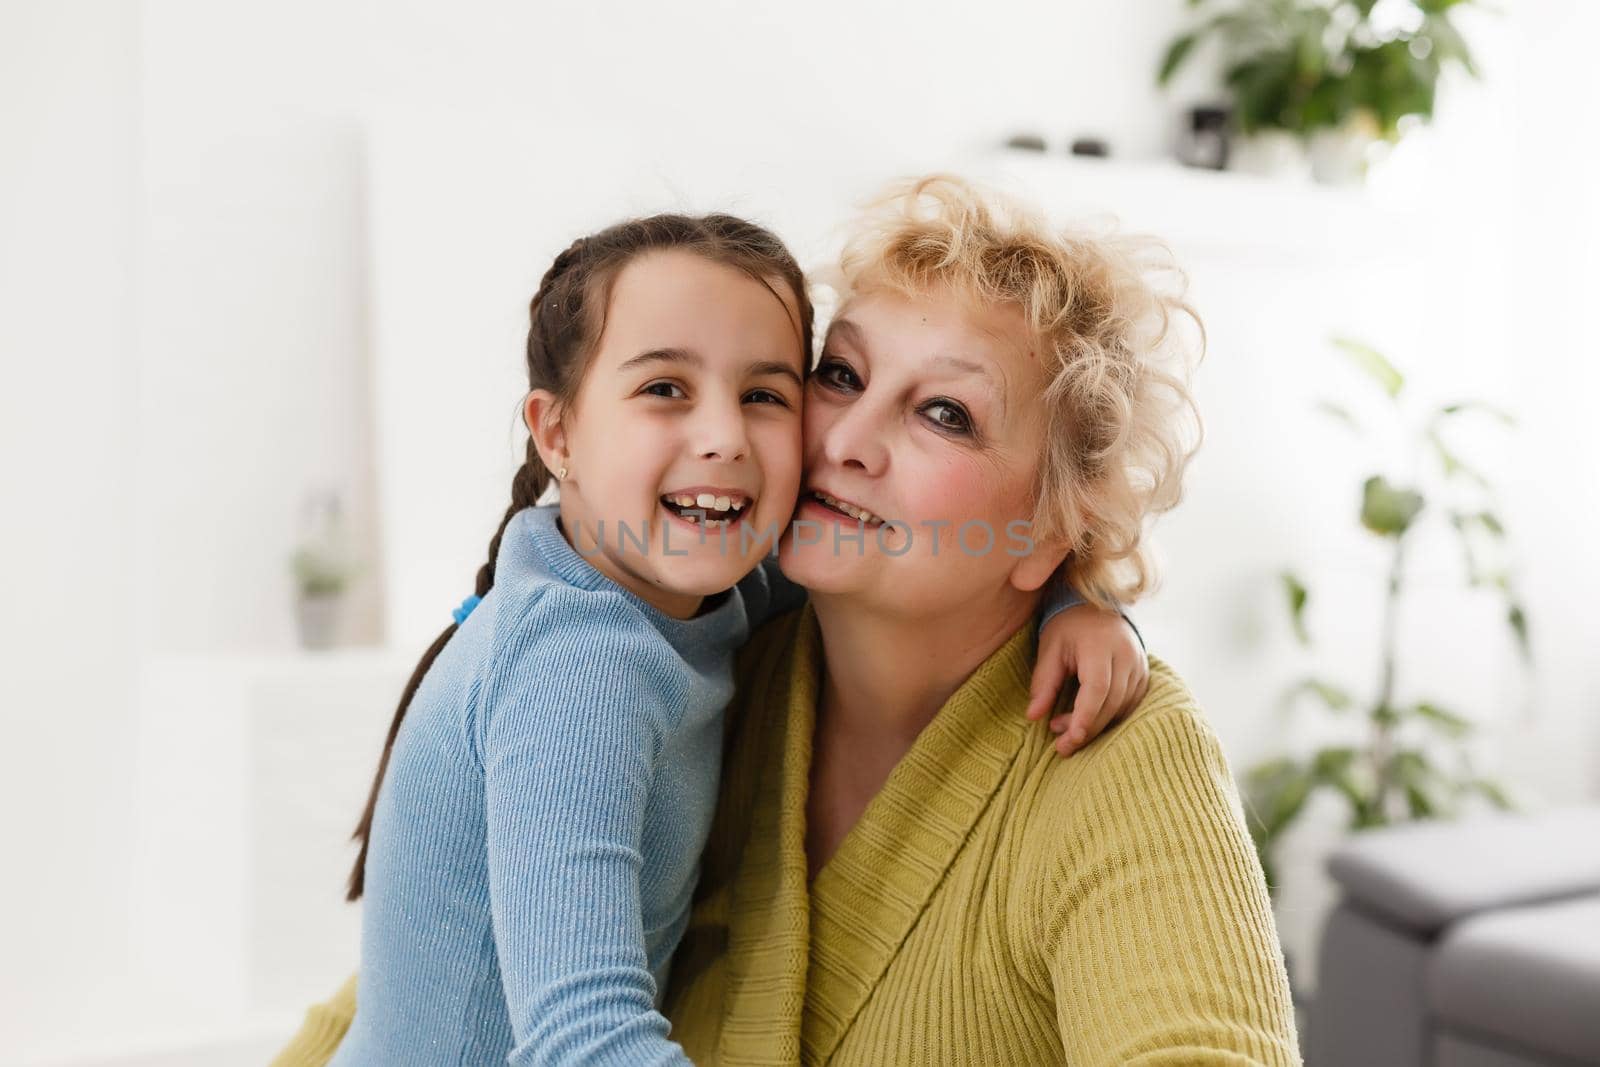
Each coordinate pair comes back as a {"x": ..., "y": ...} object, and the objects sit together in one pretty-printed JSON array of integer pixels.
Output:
[
  {"x": 1404, "y": 759},
  {"x": 1333, "y": 73},
  {"x": 322, "y": 568}
]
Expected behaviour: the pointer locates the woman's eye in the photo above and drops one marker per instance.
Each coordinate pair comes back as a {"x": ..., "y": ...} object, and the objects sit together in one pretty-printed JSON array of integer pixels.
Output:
[
  {"x": 666, "y": 389},
  {"x": 837, "y": 374},
  {"x": 765, "y": 396},
  {"x": 949, "y": 416}
]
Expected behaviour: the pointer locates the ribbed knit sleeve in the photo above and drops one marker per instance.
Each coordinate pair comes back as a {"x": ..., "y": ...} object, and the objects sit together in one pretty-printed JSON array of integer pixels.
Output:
[
  {"x": 569, "y": 745},
  {"x": 1058, "y": 597},
  {"x": 1156, "y": 930}
]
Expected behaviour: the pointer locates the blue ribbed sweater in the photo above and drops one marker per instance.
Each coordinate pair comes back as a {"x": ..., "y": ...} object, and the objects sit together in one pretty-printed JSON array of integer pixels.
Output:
[
  {"x": 539, "y": 829},
  {"x": 537, "y": 838}
]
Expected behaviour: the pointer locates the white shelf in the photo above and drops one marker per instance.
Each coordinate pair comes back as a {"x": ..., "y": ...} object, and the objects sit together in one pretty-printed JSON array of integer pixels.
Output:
[
  {"x": 252, "y": 770},
  {"x": 1213, "y": 214}
]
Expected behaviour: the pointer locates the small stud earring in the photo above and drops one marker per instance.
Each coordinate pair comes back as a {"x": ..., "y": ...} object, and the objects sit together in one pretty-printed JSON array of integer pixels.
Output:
[{"x": 561, "y": 475}]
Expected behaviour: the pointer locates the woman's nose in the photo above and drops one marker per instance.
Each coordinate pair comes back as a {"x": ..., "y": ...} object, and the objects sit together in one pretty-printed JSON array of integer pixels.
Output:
[{"x": 857, "y": 438}]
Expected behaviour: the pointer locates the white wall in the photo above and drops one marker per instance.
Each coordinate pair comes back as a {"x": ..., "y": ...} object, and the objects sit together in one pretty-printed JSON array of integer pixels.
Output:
[
  {"x": 69, "y": 187},
  {"x": 253, "y": 332},
  {"x": 1550, "y": 273}
]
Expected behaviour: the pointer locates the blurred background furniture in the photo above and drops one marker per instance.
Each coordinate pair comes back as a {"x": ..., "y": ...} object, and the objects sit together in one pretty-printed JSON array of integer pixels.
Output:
[{"x": 1463, "y": 944}]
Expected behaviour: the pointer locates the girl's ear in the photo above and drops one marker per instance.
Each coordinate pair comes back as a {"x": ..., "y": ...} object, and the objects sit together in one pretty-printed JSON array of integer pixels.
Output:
[
  {"x": 1033, "y": 569},
  {"x": 541, "y": 413}
]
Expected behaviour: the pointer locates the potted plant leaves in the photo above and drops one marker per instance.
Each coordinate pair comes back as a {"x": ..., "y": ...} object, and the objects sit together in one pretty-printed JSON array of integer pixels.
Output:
[
  {"x": 322, "y": 568},
  {"x": 1332, "y": 79},
  {"x": 1400, "y": 759}
]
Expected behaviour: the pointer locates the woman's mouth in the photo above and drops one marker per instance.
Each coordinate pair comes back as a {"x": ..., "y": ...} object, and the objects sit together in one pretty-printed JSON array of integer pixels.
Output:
[
  {"x": 711, "y": 510},
  {"x": 845, "y": 508}
]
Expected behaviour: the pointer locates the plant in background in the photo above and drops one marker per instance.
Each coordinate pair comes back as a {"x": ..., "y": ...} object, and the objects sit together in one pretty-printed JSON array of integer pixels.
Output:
[
  {"x": 323, "y": 567},
  {"x": 1304, "y": 66},
  {"x": 1409, "y": 760},
  {"x": 318, "y": 573}
]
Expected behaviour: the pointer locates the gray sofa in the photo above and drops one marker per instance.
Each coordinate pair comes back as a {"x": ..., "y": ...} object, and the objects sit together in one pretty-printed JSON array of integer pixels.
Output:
[{"x": 1463, "y": 944}]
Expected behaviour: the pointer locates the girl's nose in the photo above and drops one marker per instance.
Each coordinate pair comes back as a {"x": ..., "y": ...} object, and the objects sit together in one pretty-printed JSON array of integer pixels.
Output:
[{"x": 721, "y": 433}]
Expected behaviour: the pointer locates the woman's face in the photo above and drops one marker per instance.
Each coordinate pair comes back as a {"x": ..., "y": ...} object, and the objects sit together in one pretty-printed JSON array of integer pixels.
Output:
[{"x": 923, "y": 429}]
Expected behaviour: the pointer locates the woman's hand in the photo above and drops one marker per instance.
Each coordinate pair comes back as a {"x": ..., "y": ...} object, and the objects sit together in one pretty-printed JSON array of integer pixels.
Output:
[{"x": 1101, "y": 648}]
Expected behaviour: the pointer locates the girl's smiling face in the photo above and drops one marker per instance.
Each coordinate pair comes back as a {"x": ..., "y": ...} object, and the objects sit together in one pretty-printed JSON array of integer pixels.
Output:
[
  {"x": 928, "y": 413},
  {"x": 685, "y": 433}
]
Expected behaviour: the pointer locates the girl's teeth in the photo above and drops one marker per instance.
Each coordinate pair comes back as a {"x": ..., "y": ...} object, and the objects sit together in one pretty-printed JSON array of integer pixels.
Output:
[{"x": 708, "y": 502}]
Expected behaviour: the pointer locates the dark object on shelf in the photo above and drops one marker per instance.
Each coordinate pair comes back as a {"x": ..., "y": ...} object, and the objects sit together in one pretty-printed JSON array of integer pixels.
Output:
[
  {"x": 1028, "y": 142},
  {"x": 1205, "y": 142},
  {"x": 1091, "y": 146}
]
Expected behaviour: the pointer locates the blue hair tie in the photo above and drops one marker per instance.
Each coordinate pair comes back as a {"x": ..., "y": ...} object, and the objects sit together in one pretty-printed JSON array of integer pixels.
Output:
[{"x": 466, "y": 607}]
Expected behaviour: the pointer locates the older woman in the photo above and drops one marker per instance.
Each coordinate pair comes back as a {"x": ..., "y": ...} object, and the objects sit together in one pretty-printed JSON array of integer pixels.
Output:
[{"x": 901, "y": 869}]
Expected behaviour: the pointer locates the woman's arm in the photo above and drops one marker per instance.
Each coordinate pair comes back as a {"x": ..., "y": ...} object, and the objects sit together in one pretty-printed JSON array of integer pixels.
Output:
[
  {"x": 1157, "y": 930},
  {"x": 568, "y": 750}
]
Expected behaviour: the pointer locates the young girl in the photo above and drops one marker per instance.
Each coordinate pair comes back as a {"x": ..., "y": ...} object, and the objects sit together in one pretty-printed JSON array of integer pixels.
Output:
[{"x": 530, "y": 846}]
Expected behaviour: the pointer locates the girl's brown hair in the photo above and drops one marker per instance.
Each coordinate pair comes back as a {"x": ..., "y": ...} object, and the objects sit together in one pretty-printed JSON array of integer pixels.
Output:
[{"x": 567, "y": 318}]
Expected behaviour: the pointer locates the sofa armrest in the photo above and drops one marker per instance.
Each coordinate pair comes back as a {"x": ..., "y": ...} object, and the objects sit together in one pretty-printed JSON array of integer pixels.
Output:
[{"x": 1426, "y": 875}]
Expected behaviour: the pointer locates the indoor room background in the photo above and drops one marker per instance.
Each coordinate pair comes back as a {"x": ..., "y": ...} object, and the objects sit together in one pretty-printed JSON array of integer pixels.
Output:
[{"x": 263, "y": 283}]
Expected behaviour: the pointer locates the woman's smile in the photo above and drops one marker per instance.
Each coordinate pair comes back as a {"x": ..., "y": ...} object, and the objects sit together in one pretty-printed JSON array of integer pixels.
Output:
[{"x": 820, "y": 504}]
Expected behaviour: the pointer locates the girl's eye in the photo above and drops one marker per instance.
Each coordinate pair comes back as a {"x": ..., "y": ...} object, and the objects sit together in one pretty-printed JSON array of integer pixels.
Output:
[
  {"x": 673, "y": 391},
  {"x": 836, "y": 374},
  {"x": 765, "y": 396},
  {"x": 949, "y": 416}
]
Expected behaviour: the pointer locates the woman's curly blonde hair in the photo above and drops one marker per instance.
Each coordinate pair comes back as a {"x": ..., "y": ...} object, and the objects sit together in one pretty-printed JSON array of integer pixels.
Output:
[{"x": 1109, "y": 309}]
